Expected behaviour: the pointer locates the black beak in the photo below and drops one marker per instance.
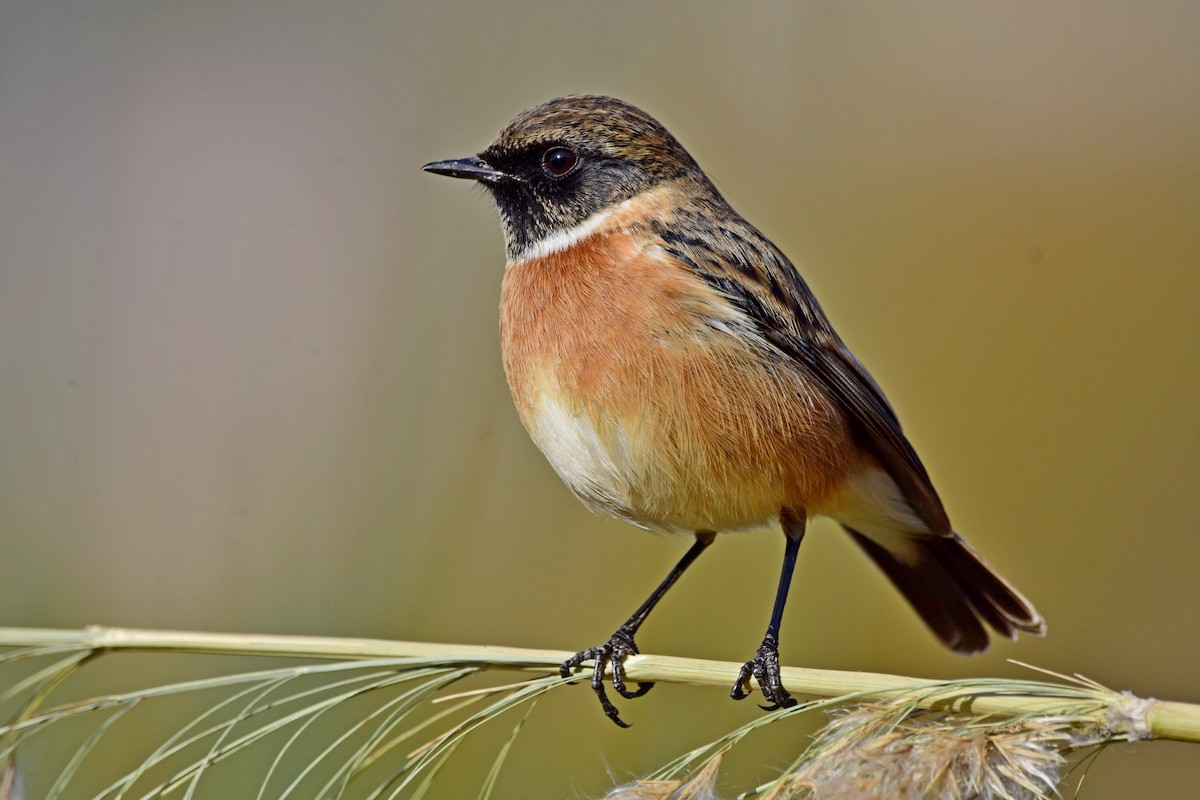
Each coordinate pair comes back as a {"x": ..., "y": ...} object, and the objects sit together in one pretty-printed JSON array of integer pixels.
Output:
[{"x": 474, "y": 168}]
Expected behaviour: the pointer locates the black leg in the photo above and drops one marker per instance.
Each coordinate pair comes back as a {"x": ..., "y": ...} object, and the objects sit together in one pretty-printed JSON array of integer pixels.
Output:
[
  {"x": 765, "y": 665},
  {"x": 621, "y": 645}
]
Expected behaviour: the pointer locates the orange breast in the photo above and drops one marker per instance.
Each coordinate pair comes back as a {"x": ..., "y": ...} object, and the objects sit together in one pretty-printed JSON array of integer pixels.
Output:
[{"x": 653, "y": 397}]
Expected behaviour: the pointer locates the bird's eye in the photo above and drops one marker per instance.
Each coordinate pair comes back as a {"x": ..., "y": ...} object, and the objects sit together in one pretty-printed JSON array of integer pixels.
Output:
[{"x": 558, "y": 161}]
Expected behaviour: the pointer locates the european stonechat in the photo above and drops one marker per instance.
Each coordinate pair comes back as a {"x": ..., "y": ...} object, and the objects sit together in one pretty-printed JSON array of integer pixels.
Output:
[{"x": 678, "y": 373}]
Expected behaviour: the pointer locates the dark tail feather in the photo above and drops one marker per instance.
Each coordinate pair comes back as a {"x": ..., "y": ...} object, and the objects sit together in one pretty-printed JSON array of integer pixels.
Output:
[{"x": 955, "y": 592}]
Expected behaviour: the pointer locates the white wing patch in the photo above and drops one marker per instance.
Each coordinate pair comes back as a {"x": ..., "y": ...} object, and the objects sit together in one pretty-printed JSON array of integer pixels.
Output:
[{"x": 871, "y": 503}]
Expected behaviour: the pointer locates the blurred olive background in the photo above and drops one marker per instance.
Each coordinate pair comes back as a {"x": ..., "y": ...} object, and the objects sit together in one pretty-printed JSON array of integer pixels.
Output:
[{"x": 249, "y": 374}]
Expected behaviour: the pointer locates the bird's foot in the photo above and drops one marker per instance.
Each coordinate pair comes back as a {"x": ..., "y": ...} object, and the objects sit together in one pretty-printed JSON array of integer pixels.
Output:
[
  {"x": 764, "y": 668},
  {"x": 619, "y": 647}
]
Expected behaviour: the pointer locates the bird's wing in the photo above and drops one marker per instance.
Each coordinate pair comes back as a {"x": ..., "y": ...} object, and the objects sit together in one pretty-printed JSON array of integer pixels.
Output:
[
  {"x": 876, "y": 422},
  {"x": 744, "y": 266}
]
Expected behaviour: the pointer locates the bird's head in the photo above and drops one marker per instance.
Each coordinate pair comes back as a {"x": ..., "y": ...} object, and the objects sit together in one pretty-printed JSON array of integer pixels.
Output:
[{"x": 556, "y": 165}]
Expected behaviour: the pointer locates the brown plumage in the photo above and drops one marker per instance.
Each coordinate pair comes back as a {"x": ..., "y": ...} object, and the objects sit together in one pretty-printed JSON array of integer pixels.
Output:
[
  {"x": 678, "y": 373},
  {"x": 624, "y": 343}
]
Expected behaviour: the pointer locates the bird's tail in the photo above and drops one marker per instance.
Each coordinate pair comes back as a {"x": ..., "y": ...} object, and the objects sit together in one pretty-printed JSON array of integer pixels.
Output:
[{"x": 954, "y": 590}]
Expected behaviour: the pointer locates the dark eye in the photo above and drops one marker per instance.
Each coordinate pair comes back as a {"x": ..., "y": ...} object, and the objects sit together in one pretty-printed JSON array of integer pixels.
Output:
[{"x": 559, "y": 160}]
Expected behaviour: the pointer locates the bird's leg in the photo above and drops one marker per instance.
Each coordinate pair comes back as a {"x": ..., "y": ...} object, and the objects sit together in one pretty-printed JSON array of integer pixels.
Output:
[
  {"x": 621, "y": 645},
  {"x": 764, "y": 667}
]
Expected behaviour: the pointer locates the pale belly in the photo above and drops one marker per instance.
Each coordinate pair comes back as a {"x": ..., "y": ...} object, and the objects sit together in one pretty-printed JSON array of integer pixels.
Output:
[
  {"x": 726, "y": 455},
  {"x": 655, "y": 400}
]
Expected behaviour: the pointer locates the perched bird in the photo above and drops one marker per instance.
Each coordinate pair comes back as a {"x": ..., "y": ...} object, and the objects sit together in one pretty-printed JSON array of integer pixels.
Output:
[{"x": 678, "y": 373}]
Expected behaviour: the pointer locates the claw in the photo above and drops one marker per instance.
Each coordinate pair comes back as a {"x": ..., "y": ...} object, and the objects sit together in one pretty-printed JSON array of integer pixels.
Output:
[
  {"x": 567, "y": 667},
  {"x": 764, "y": 668},
  {"x": 619, "y": 647},
  {"x": 741, "y": 687}
]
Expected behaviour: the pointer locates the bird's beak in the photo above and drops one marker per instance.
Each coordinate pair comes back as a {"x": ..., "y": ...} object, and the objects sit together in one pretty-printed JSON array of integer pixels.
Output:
[{"x": 473, "y": 168}]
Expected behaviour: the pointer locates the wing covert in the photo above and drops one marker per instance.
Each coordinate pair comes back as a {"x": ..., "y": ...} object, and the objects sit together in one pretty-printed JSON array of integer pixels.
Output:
[{"x": 743, "y": 265}]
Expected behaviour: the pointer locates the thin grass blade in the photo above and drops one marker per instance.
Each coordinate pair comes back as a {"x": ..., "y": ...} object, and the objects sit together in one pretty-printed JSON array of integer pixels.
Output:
[
  {"x": 489, "y": 783},
  {"x": 248, "y": 710},
  {"x": 396, "y": 711},
  {"x": 84, "y": 750},
  {"x": 431, "y": 773},
  {"x": 430, "y": 686}
]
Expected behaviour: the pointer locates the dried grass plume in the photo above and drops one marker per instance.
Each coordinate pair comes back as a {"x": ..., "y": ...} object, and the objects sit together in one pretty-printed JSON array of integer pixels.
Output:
[{"x": 897, "y": 752}]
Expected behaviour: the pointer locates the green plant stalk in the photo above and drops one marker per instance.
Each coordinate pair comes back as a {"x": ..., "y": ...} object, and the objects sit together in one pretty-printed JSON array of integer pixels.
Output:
[{"x": 1157, "y": 719}]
